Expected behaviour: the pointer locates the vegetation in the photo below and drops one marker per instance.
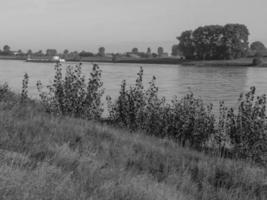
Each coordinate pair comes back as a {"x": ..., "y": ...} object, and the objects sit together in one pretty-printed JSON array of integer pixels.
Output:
[
  {"x": 44, "y": 156},
  {"x": 190, "y": 122},
  {"x": 215, "y": 42},
  {"x": 187, "y": 121},
  {"x": 71, "y": 95},
  {"x": 257, "y": 46}
]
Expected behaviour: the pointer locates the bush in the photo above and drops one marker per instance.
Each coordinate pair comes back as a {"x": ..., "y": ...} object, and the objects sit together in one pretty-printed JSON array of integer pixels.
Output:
[
  {"x": 70, "y": 95},
  {"x": 257, "y": 61},
  {"x": 187, "y": 120},
  {"x": 24, "y": 91},
  {"x": 4, "y": 90},
  {"x": 246, "y": 128}
]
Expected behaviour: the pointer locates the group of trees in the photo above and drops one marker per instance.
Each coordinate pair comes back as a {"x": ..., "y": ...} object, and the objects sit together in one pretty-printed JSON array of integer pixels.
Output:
[
  {"x": 148, "y": 53},
  {"x": 50, "y": 52},
  {"x": 214, "y": 42}
]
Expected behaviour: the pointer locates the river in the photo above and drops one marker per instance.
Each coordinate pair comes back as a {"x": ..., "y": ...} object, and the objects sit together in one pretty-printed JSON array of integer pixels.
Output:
[{"x": 210, "y": 83}]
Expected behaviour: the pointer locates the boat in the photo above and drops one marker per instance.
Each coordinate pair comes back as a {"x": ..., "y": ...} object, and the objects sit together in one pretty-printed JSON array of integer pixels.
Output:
[{"x": 54, "y": 59}]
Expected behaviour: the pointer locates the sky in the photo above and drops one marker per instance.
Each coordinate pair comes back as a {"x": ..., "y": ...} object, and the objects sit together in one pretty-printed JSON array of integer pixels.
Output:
[{"x": 119, "y": 25}]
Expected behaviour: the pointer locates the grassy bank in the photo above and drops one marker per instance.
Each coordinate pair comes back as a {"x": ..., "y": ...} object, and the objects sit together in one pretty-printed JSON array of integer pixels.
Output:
[{"x": 49, "y": 157}]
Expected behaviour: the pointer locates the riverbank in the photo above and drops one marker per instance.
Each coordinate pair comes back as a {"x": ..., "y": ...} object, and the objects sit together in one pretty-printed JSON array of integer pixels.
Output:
[
  {"x": 48, "y": 157},
  {"x": 242, "y": 62}
]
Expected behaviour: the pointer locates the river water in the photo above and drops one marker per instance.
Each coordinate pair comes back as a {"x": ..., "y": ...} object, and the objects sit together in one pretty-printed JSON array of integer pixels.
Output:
[{"x": 210, "y": 83}]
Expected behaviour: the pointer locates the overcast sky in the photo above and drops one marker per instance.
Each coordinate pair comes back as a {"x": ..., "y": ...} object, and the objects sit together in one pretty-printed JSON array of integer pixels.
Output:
[{"x": 119, "y": 25}]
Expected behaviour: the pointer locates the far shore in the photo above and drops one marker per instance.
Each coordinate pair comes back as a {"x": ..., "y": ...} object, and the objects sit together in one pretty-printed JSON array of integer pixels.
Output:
[{"x": 243, "y": 62}]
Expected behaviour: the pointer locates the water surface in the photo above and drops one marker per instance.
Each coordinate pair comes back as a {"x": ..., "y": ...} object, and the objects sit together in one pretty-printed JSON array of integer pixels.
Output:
[{"x": 211, "y": 83}]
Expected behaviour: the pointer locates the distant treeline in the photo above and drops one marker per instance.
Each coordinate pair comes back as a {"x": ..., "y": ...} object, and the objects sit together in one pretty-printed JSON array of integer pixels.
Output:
[
  {"x": 77, "y": 56},
  {"x": 217, "y": 42}
]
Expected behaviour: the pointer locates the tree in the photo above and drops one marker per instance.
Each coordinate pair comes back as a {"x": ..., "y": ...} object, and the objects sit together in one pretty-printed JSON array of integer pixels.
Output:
[
  {"x": 86, "y": 54},
  {"x": 208, "y": 42},
  {"x": 135, "y": 50},
  {"x": 39, "y": 53},
  {"x": 186, "y": 44},
  {"x": 214, "y": 42},
  {"x": 51, "y": 52},
  {"x": 257, "y": 46},
  {"x": 160, "y": 51},
  {"x": 101, "y": 51},
  {"x": 66, "y": 52},
  {"x": 6, "y": 50},
  {"x": 148, "y": 52},
  {"x": 20, "y": 52},
  {"x": 29, "y": 52},
  {"x": 175, "y": 50},
  {"x": 235, "y": 40}
]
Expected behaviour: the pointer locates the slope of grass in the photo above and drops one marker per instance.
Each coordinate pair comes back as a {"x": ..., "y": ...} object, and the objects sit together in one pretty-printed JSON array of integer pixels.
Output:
[{"x": 49, "y": 157}]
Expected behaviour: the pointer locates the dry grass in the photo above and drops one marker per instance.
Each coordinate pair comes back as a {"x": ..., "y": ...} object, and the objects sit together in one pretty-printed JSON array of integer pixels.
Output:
[{"x": 46, "y": 157}]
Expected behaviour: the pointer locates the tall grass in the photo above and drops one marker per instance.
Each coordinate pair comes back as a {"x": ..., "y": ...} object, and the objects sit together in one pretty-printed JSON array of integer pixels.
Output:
[{"x": 44, "y": 156}]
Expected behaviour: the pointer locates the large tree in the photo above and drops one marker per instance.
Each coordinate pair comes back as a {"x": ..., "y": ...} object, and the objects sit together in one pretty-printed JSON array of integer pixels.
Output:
[
  {"x": 235, "y": 40},
  {"x": 257, "y": 46},
  {"x": 215, "y": 42},
  {"x": 186, "y": 44},
  {"x": 135, "y": 50},
  {"x": 208, "y": 42},
  {"x": 160, "y": 51},
  {"x": 175, "y": 50},
  {"x": 6, "y": 50},
  {"x": 101, "y": 51}
]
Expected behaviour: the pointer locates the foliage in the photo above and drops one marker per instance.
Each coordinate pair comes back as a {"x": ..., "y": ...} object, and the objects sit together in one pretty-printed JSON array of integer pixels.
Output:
[
  {"x": 186, "y": 44},
  {"x": 215, "y": 42},
  {"x": 257, "y": 46},
  {"x": 175, "y": 50},
  {"x": 24, "y": 91},
  {"x": 70, "y": 95},
  {"x": 187, "y": 120},
  {"x": 6, "y": 50},
  {"x": 101, "y": 51},
  {"x": 192, "y": 123},
  {"x": 135, "y": 50},
  {"x": 86, "y": 54},
  {"x": 235, "y": 40},
  {"x": 4, "y": 90},
  {"x": 246, "y": 128},
  {"x": 257, "y": 61}
]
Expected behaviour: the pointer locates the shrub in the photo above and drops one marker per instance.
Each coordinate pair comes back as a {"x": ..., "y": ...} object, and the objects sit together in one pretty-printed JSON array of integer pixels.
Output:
[
  {"x": 187, "y": 120},
  {"x": 191, "y": 121},
  {"x": 246, "y": 128},
  {"x": 70, "y": 95},
  {"x": 257, "y": 61},
  {"x": 24, "y": 91},
  {"x": 4, "y": 90}
]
